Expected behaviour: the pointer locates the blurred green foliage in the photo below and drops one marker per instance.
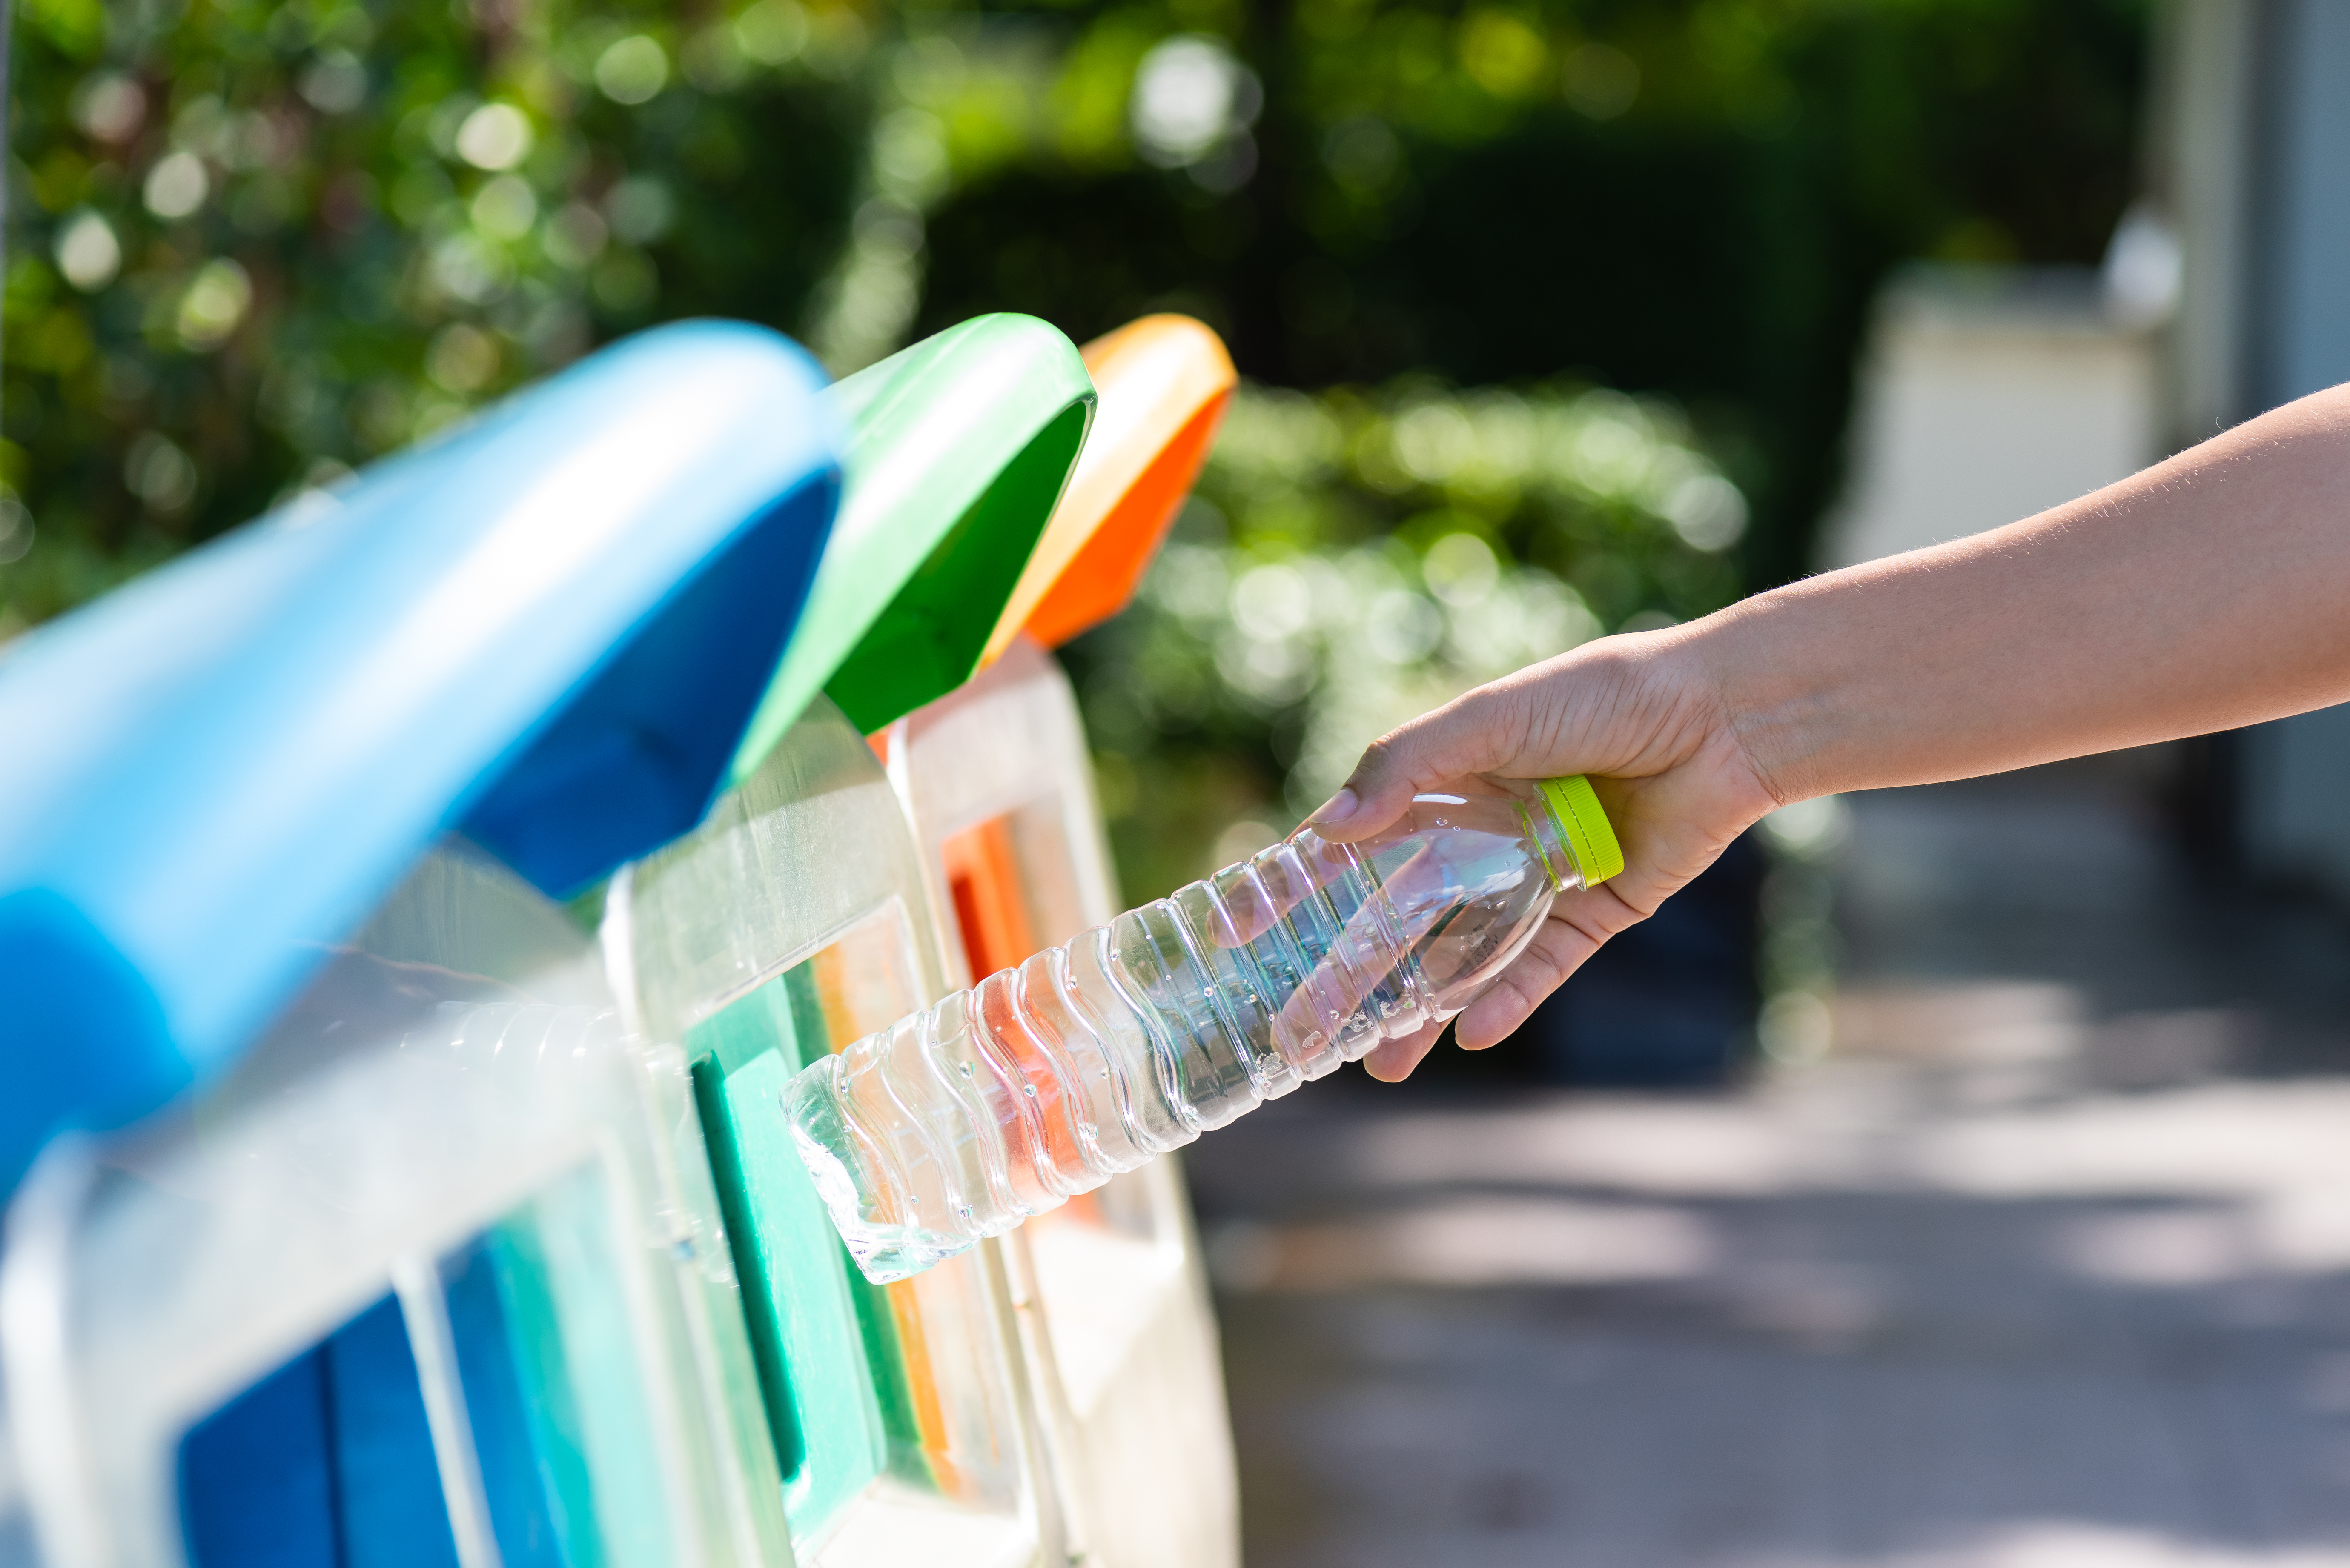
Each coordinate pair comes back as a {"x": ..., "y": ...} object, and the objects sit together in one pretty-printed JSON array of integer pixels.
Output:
[
  {"x": 253, "y": 245},
  {"x": 1692, "y": 197},
  {"x": 1354, "y": 558}
]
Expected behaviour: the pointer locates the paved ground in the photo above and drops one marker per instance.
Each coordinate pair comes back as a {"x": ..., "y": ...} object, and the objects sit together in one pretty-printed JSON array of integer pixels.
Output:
[{"x": 2046, "y": 1266}]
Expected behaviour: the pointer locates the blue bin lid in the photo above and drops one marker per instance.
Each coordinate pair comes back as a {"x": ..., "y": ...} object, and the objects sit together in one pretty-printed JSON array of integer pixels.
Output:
[{"x": 548, "y": 630}]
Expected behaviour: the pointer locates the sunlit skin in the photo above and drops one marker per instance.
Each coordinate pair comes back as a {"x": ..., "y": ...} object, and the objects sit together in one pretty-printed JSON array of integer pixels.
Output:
[{"x": 2210, "y": 591}]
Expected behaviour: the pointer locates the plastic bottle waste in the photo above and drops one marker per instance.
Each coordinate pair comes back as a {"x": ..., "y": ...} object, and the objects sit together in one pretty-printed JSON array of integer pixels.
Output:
[{"x": 1043, "y": 1082}]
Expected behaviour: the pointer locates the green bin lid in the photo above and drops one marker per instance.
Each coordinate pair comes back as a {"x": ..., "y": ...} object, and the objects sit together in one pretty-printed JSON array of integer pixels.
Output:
[{"x": 958, "y": 450}]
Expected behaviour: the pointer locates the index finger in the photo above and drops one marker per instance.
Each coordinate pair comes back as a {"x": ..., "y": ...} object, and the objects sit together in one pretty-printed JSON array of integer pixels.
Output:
[{"x": 1475, "y": 733}]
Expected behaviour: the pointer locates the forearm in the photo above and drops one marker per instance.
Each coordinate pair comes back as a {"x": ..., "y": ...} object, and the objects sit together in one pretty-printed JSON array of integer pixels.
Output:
[{"x": 2210, "y": 591}]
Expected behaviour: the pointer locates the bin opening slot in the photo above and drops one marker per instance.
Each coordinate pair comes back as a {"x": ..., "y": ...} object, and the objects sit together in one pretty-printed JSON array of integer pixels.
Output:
[{"x": 521, "y": 1336}]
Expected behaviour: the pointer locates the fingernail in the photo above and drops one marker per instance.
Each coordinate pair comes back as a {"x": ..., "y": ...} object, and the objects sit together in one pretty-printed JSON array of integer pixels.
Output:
[{"x": 1338, "y": 808}]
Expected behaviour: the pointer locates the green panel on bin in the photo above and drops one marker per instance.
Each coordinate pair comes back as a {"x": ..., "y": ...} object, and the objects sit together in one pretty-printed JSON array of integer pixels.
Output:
[
  {"x": 959, "y": 449},
  {"x": 573, "y": 1228},
  {"x": 826, "y": 1353}
]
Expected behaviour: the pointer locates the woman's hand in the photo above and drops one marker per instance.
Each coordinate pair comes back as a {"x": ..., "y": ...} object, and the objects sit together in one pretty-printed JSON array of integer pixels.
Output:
[{"x": 1643, "y": 718}]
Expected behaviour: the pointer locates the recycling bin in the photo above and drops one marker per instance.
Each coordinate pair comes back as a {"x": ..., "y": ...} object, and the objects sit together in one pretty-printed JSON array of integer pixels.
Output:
[
  {"x": 377, "y": 1212},
  {"x": 361, "y": 1229}
]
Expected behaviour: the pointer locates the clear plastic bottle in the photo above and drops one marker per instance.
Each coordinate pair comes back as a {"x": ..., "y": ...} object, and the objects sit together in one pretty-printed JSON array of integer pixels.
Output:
[{"x": 1045, "y": 1081}]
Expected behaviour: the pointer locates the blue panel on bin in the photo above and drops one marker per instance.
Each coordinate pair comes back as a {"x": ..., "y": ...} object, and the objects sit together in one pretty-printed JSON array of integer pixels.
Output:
[
  {"x": 327, "y": 1462},
  {"x": 525, "y": 1458},
  {"x": 389, "y": 1511},
  {"x": 257, "y": 1478},
  {"x": 548, "y": 630}
]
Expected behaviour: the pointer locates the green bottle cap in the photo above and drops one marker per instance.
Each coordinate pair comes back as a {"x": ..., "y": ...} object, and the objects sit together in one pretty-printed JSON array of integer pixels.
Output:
[{"x": 1584, "y": 827}]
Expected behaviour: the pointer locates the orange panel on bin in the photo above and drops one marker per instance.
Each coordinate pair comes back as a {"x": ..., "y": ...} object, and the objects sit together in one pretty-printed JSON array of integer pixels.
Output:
[
  {"x": 1163, "y": 384},
  {"x": 982, "y": 872}
]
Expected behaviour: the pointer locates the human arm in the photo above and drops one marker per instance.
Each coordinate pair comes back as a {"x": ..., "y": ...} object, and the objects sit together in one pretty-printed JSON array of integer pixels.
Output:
[{"x": 2210, "y": 591}]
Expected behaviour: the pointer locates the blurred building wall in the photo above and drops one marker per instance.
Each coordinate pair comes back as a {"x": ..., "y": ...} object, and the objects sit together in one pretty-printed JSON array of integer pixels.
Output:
[
  {"x": 2251, "y": 156},
  {"x": 2201, "y": 166},
  {"x": 1988, "y": 394}
]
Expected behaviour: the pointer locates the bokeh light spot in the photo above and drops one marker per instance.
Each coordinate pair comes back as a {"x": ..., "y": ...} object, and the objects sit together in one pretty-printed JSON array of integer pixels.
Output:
[
  {"x": 110, "y": 108},
  {"x": 87, "y": 252},
  {"x": 1461, "y": 570},
  {"x": 504, "y": 209},
  {"x": 639, "y": 208},
  {"x": 633, "y": 71},
  {"x": 157, "y": 472},
  {"x": 215, "y": 301},
  {"x": 1600, "y": 82},
  {"x": 1190, "y": 94},
  {"x": 1502, "y": 54},
  {"x": 494, "y": 135},
  {"x": 773, "y": 31},
  {"x": 177, "y": 185},
  {"x": 334, "y": 83},
  {"x": 462, "y": 358}
]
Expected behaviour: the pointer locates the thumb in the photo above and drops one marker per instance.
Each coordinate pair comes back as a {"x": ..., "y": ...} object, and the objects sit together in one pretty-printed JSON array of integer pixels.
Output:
[{"x": 1467, "y": 735}]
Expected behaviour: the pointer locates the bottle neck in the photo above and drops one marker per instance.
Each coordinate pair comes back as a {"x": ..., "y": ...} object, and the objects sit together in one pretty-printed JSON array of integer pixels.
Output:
[{"x": 1549, "y": 836}]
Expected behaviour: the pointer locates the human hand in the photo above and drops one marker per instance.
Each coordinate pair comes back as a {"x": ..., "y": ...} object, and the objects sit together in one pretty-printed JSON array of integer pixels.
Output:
[{"x": 1645, "y": 719}]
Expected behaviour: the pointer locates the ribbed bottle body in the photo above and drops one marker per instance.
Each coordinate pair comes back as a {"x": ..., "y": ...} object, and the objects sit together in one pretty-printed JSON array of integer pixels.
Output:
[{"x": 1045, "y": 1081}]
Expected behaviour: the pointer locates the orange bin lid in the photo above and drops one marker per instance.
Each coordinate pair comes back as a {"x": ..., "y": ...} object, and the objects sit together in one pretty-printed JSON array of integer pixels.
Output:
[{"x": 1163, "y": 382}]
